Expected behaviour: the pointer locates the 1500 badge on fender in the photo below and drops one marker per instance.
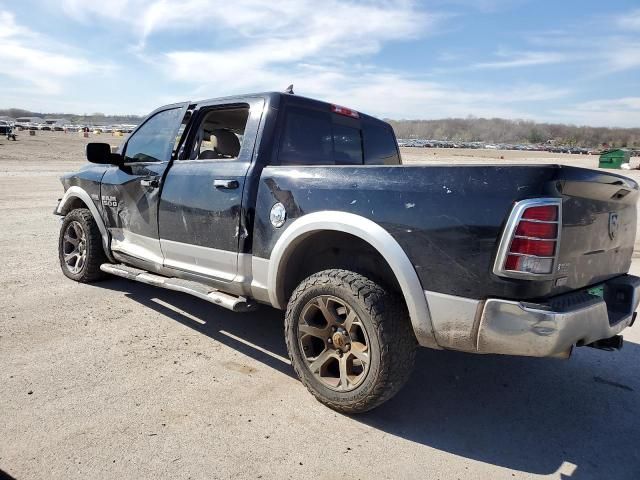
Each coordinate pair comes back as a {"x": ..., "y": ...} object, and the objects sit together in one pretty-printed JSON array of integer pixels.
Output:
[{"x": 109, "y": 201}]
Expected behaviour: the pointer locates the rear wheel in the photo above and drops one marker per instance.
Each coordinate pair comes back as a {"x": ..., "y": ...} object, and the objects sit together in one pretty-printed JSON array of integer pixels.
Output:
[
  {"x": 350, "y": 341},
  {"x": 80, "y": 247}
]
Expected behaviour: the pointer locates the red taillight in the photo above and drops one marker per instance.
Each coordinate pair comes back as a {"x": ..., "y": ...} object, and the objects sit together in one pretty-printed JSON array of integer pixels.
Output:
[
  {"x": 537, "y": 230},
  {"x": 545, "y": 213},
  {"x": 512, "y": 262},
  {"x": 533, "y": 243},
  {"x": 347, "y": 112},
  {"x": 539, "y": 248}
]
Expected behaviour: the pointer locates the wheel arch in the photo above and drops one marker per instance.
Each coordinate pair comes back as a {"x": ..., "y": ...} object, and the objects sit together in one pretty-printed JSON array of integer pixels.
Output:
[
  {"x": 77, "y": 197},
  {"x": 375, "y": 236}
]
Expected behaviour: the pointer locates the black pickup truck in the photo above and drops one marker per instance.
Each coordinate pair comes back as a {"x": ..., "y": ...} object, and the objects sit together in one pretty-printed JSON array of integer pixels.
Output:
[{"x": 305, "y": 206}]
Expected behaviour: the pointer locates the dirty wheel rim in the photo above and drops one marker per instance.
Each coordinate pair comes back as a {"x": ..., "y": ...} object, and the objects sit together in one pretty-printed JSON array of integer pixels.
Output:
[
  {"x": 334, "y": 343},
  {"x": 74, "y": 247}
]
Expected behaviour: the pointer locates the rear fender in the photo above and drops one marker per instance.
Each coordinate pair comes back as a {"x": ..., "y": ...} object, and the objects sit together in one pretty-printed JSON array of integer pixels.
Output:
[{"x": 371, "y": 233}]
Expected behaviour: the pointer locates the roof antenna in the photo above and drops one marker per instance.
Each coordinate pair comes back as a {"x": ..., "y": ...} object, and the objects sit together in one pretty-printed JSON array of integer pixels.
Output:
[{"x": 289, "y": 89}]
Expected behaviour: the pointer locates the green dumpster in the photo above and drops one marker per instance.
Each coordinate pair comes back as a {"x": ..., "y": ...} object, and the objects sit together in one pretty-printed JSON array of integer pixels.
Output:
[{"x": 614, "y": 158}]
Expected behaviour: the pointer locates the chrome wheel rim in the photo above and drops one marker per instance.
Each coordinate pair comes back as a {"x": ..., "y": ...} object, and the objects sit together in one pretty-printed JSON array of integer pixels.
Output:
[
  {"x": 334, "y": 343},
  {"x": 74, "y": 247}
]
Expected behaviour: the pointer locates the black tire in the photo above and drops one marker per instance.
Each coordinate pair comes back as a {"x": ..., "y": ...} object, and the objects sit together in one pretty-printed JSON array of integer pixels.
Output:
[
  {"x": 385, "y": 325},
  {"x": 88, "y": 270}
]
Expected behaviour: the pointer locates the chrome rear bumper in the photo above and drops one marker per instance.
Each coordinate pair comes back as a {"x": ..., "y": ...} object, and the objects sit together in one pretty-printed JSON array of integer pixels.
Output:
[{"x": 540, "y": 329}]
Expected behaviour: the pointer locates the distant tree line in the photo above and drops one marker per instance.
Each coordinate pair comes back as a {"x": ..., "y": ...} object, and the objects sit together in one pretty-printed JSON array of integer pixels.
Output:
[
  {"x": 93, "y": 118},
  {"x": 498, "y": 130}
]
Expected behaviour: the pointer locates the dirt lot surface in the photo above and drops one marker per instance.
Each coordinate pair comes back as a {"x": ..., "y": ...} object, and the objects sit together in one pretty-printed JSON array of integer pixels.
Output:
[{"x": 122, "y": 380}]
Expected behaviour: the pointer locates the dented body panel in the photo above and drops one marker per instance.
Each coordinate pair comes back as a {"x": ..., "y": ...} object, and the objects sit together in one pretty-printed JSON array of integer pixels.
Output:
[{"x": 89, "y": 179}]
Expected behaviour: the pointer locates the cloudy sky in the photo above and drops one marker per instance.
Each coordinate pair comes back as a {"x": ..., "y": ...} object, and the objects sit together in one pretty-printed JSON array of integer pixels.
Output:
[{"x": 575, "y": 61}]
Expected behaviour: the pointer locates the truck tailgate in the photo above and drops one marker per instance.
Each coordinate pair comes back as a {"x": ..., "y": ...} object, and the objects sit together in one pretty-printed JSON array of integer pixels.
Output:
[{"x": 598, "y": 227}]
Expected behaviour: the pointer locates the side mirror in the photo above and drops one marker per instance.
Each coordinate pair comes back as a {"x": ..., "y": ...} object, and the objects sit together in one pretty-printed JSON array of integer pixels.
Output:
[{"x": 101, "y": 153}]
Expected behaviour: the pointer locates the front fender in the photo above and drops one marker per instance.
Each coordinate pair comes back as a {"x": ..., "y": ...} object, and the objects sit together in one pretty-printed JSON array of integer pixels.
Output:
[{"x": 66, "y": 205}]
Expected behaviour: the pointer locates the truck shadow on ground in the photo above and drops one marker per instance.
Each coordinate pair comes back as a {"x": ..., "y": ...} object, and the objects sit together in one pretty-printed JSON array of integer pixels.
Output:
[{"x": 579, "y": 418}]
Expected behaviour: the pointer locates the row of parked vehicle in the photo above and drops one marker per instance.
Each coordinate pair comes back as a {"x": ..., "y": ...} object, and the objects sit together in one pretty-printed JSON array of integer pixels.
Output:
[
  {"x": 501, "y": 146},
  {"x": 75, "y": 128}
]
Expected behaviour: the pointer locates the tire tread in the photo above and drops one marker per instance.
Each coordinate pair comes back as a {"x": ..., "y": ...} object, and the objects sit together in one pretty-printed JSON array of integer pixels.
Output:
[
  {"x": 389, "y": 317},
  {"x": 95, "y": 253}
]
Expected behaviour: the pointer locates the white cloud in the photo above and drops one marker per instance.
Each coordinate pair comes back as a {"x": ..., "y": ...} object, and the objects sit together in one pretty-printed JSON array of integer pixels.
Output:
[
  {"x": 9, "y": 28},
  {"x": 630, "y": 21},
  {"x": 33, "y": 60},
  {"x": 623, "y": 55},
  {"x": 292, "y": 19},
  {"x": 377, "y": 92},
  {"x": 327, "y": 56},
  {"x": 86, "y": 11},
  {"x": 523, "y": 59},
  {"x": 616, "y": 112},
  {"x": 319, "y": 47},
  {"x": 395, "y": 96}
]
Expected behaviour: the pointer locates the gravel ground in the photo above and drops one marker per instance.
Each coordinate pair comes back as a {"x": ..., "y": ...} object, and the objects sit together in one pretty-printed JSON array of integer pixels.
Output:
[{"x": 121, "y": 380}]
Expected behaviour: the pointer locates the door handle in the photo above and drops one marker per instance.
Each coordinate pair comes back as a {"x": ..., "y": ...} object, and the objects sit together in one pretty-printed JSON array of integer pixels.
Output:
[
  {"x": 150, "y": 182},
  {"x": 226, "y": 184}
]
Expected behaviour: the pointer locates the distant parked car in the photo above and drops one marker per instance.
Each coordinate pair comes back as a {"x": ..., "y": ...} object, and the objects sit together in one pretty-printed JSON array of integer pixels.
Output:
[{"x": 7, "y": 130}]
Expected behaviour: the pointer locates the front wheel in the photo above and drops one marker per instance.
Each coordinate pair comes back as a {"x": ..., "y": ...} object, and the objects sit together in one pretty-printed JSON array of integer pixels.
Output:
[
  {"x": 349, "y": 340},
  {"x": 80, "y": 247}
]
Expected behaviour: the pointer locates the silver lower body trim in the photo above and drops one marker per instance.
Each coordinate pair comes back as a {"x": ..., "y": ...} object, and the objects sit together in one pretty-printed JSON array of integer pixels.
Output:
[
  {"x": 220, "y": 264},
  {"x": 260, "y": 273},
  {"x": 455, "y": 320},
  {"x": 136, "y": 245},
  {"x": 537, "y": 330}
]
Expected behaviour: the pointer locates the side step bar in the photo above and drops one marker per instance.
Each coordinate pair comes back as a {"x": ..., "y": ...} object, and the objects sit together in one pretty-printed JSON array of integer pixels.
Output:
[{"x": 200, "y": 290}]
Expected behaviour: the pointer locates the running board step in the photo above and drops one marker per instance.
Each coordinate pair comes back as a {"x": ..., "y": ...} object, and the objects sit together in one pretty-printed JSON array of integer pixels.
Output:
[{"x": 200, "y": 290}]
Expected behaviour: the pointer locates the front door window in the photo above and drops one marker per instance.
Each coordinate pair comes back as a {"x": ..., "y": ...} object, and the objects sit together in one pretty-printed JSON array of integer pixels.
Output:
[{"x": 155, "y": 140}]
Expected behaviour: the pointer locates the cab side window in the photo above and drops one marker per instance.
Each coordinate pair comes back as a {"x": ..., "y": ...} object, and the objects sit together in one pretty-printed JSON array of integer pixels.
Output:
[
  {"x": 155, "y": 140},
  {"x": 220, "y": 133}
]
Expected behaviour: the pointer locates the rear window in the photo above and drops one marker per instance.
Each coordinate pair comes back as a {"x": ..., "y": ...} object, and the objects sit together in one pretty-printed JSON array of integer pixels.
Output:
[
  {"x": 347, "y": 145},
  {"x": 380, "y": 145},
  {"x": 313, "y": 137},
  {"x": 307, "y": 138}
]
